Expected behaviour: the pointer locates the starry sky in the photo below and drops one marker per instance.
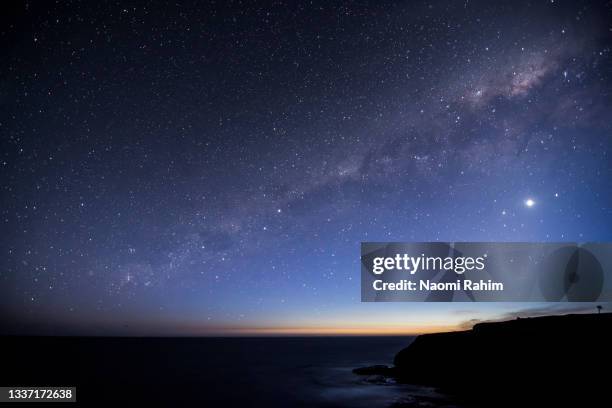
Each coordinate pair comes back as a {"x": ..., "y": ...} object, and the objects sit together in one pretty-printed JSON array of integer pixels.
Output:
[{"x": 211, "y": 168}]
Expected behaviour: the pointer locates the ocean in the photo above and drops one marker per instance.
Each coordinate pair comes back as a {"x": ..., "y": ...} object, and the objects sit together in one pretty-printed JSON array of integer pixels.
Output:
[{"x": 246, "y": 372}]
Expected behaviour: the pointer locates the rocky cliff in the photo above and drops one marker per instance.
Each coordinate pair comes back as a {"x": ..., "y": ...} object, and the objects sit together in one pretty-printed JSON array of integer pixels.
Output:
[{"x": 549, "y": 358}]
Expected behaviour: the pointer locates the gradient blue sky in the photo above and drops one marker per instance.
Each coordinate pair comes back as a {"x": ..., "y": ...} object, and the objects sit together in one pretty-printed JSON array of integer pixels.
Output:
[{"x": 203, "y": 169}]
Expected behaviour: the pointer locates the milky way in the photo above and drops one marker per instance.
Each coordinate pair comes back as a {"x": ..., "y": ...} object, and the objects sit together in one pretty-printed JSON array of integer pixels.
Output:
[{"x": 185, "y": 168}]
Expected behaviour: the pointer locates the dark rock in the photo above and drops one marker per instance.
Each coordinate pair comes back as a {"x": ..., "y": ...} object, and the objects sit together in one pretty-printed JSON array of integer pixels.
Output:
[
  {"x": 374, "y": 370},
  {"x": 544, "y": 361},
  {"x": 555, "y": 356}
]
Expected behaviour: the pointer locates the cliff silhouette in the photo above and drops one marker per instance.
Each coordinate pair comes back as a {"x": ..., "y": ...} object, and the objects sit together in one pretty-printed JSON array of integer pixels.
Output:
[{"x": 545, "y": 359}]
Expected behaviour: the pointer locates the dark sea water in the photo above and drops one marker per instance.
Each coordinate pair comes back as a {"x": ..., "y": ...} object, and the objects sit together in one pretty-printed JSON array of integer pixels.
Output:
[
  {"x": 247, "y": 372},
  {"x": 318, "y": 371}
]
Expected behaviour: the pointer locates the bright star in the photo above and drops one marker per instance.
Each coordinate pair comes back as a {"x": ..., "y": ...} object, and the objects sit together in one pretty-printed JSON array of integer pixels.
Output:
[{"x": 529, "y": 202}]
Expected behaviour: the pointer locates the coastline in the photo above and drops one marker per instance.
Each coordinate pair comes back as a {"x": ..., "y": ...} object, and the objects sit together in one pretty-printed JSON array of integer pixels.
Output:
[{"x": 492, "y": 359}]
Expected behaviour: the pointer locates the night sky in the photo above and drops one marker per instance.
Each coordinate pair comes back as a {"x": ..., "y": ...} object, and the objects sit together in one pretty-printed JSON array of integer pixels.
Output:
[{"x": 183, "y": 168}]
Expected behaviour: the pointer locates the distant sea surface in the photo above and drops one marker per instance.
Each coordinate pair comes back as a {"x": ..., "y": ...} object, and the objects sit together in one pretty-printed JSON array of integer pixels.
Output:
[{"x": 247, "y": 372}]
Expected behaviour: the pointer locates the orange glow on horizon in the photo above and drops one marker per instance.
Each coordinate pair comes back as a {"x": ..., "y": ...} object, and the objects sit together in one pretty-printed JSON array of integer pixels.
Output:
[{"x": 335, "y": 331}]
